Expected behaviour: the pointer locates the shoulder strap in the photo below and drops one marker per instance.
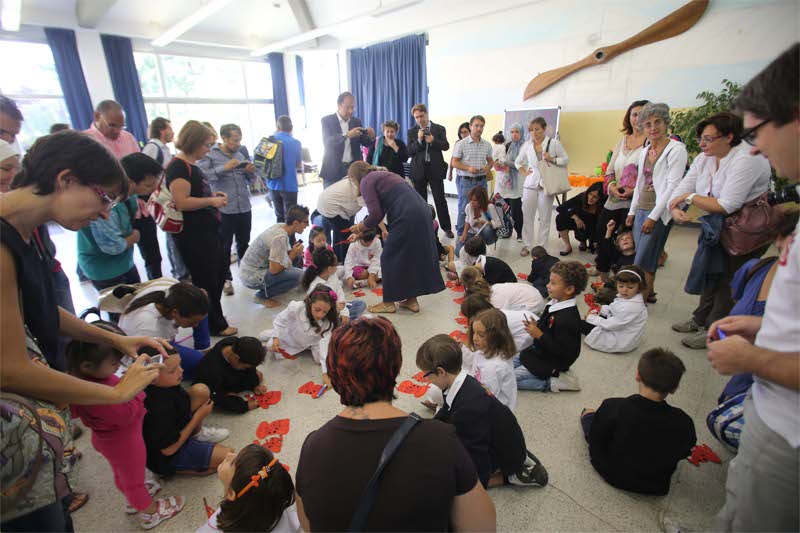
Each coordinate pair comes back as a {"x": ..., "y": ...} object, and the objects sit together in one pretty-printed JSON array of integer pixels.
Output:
[
  {"x": 547, "y": 148},
  {"x": 371, "y": 491},
  {"x": 159, "y": 153},
  {"x": 767, "y": 261}
]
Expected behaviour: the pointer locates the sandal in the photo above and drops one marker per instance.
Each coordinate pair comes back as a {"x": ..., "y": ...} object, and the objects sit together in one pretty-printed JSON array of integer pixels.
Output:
[
  {"x": 227, "y": 332},
  {"x": 413, "y": 307},
  {"x": 383, "y": 307},
  {"x": 166, "y": 509},
  {"x": 152, "y": 486},
  {"x": 79, "y": 499}
]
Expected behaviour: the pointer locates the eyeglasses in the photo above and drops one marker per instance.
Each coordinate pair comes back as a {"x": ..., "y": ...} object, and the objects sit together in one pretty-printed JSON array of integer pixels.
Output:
[
  {"x": 426, "y": 374},
  {"x": 109, "y": 202},
  {"x": 749, "y": 134},
  {"x": 112, "y": 125},
  {"x": 707, "y": 139}
]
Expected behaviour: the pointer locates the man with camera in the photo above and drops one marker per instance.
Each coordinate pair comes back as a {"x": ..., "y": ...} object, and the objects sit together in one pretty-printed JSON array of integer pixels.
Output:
[
  {"x": 426, "y": 142},
  {"x": 763, "y": 486},
  {"x": 342, "y": 135}
]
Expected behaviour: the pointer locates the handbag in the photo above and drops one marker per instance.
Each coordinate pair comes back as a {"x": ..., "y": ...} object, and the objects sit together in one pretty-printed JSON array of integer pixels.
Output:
[
  {"x": 162, "y": 208},
  {"x": 359, "y": 520},
  {"x": 555, "y": 179},
  {"x": 751, "y": 227}
]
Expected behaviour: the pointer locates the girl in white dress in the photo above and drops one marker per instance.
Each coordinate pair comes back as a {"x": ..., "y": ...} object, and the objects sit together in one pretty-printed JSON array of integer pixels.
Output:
[{"x": 619, "y": 327}]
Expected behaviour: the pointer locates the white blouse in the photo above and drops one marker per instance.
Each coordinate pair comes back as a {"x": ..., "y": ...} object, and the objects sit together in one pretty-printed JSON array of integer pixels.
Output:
[
  {"x": 527, "y": 158},
  {"x": 496, "y": 221},
  {"x": 296, "y": 334}
]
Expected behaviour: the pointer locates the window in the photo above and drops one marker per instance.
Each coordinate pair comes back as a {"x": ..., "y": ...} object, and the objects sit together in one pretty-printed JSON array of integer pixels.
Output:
[
  {"x": 218, "y": 91},
  {"x": 29, "y": 77}
]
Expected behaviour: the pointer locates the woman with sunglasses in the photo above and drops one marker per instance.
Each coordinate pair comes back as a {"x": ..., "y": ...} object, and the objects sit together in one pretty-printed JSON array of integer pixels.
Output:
[
  {"x": 199, "y": 242},
  {"x": 70, "y": 179},
  {"x": 722, "y": 179}
]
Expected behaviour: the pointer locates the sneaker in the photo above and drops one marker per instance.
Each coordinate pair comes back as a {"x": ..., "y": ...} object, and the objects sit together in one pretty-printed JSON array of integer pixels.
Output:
[
  {"x": 166, "y": 509},
  {"x": 689, "y": 326},
  {"x": 360, "y": 283},
  {"x": 696, "y": 341},
  {"x": 565, "y": 381},
  {"x": 519, "y": 239},
  {"x": 227, "y": 288},
  {"x": 449, "y": 234},
  {"x": 530, "y": 476},
  {"x": 524, "y": 252},
  {"x": 214, "y": 435},
  {"x": 152, "y": 486}
]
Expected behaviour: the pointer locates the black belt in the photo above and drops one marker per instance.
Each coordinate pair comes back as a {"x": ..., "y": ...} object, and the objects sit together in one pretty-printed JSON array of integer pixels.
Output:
[{"x": 474, "y": 178}]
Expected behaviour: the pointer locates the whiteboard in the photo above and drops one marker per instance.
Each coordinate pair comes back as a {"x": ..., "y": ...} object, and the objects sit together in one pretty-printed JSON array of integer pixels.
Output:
[{"x": 524, "y": 115}]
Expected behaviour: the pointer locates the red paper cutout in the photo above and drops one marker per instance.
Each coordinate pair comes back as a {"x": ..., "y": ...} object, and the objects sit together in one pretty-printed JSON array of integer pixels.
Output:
[
  {"x": 274, "y": 444},
  {"x": 458, "y": 288},
  {"x": 450, "y": 284},
  {"x": 286, "y": 354},
  {"x": 458, "y": 336},
  {"x": 588, "y": 265},
  {"x": 262, "y": 430},
  {"x": 345, "y": 230},
  {"x": 420, "y": 376},
  {"x": 464, "y": 321},
  {"x": 523, "y": 277},
  {"x": 409, "y": 387},
  {"x": 598, "y": 285},
  {"x": 378, "y": 291},
  {"x": 285, "y": 467},
  {"x": 358, "y": 294},
  {"x": 310, "y": 388},
  {"x": 589, "y": 299},
  {"x": 270, "y": 398},
  {"x": 459, "y": 301},
  {"x": 209, "y": 510},
  {"x": 702, "y": 454}
]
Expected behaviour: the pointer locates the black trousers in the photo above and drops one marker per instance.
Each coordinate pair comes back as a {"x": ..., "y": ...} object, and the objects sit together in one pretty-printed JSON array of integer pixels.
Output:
[
  {"x": 281, "y": 202},
  {"x": 201, "y": 251},
  {"x": 239, "y": 225},
  {"x": 516, "y": 214},
  {"x": 564, "y": 221},
  {"x": 148, "y": 245},
  {"x": 437, "y": 189},
  {"x": 617, "y": 215},
  {"x": 335, "y": 235}
]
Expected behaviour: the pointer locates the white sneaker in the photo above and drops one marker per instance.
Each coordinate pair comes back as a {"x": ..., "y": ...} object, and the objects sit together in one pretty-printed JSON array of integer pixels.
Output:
[
  {"x": 566, "y": 381},
  {"x": 227, "y": 288},
  {"x": 209, "y": 434},
  {"x": 152, "y": 486},
  {"x": 165, "y": 510}
]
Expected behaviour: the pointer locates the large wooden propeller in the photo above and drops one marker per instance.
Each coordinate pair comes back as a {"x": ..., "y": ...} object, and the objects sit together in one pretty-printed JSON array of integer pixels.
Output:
[{"x": 673, "y": 24}]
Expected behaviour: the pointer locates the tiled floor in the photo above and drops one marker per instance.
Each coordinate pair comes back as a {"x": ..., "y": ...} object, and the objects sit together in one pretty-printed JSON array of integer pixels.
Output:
[{"x": 576, "y": 499}]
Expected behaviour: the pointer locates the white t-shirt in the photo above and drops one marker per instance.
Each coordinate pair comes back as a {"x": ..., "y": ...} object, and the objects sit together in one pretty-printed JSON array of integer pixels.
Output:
[
  {"x": 289, "y": 522},
  {"x": 147, "y": 320},
  {"x": 777, "y": 405}
]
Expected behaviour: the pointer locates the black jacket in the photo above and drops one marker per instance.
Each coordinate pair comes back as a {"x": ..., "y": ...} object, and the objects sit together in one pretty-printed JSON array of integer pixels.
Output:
[
  {"x": 221, "y": 378},
  {"x": 389, "y": 158},
  {"x": 498, "y": 271},
  {"x": 558, "y": 347},
  {"x": 437, "y": 168},
  {"x": 540, "y": 273},
  {"x": 333, "y": 140}
]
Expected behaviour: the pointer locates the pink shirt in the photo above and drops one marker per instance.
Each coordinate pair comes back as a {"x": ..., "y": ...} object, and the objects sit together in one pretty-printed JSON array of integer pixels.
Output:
[{"x": 123, "y": 145}]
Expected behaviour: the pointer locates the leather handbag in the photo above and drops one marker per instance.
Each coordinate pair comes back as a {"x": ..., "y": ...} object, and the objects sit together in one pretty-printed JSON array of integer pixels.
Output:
[
  {"x": 751, "y": 227},
  {"x": 555, "y": 179}
]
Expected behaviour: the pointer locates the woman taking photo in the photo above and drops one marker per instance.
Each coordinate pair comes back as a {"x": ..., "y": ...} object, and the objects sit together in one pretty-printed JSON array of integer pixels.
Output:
[
  {"x": 388, "y": 151},
  {"x": 534, "y": 199},
  {"x": 364, "y": 360},
  {"x": 199, "y": 242},
  {"x": 70, "y": 179},
  {"x": 409, "y": 262},
  {"x": 661, "y": 167}
]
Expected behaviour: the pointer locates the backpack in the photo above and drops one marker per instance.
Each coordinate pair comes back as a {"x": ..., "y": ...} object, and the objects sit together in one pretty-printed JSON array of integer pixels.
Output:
[
  {"x": 162, "y": 208},
  {"x": 726, "y": 420},
  {"x": 507, "y": 229},
  {"x": 268, "y": 158}
]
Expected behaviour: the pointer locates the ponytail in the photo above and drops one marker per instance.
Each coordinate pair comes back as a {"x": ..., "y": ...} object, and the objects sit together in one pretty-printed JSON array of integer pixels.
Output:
[
  {"x": 184, "y": 298},
  {"x": 320, "y": 260}
]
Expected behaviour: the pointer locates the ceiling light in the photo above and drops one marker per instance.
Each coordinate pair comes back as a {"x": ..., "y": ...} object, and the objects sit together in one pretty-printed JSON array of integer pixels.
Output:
[
  {"x": 11, "y": 14},
  {"x": 189, "y": 22}
]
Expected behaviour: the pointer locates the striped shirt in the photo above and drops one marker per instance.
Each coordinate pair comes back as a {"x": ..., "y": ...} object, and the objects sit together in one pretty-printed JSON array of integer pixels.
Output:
[{"x": 472, "y": 154}]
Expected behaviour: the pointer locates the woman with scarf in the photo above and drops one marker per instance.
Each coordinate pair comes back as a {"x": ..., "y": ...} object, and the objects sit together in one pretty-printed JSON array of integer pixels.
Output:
[
  {"x": 508, "y": 185},
  {"x": 388, "y": 151}
]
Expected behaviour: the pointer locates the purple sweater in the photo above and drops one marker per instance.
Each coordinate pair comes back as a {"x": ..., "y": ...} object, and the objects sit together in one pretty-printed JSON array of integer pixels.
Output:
[{"x": 373, "y": 186}]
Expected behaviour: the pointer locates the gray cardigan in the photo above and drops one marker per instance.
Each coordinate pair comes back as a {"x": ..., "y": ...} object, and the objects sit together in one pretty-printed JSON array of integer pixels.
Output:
[{"x": 235, "y": 183}]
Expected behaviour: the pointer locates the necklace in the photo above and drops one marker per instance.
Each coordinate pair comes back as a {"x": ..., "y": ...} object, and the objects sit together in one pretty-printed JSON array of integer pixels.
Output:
[{"x": 654, "y": 151}]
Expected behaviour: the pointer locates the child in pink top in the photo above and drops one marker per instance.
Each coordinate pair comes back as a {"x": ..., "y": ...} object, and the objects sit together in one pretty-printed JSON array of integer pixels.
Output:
[
  {"x": 117, "y": 434},
  {"x": 316, "y": 239}
]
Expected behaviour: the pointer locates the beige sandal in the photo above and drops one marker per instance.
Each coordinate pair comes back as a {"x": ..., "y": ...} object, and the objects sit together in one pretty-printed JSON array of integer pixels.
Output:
[
  {"x": 413, "y": 307},
  {"x": 383, "y": 307}
]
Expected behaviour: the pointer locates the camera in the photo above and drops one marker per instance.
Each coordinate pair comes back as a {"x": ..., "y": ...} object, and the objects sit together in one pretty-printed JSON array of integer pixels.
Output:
[
  {"x": 782, "y": 196},
  {"x": 427, "y": 130}
]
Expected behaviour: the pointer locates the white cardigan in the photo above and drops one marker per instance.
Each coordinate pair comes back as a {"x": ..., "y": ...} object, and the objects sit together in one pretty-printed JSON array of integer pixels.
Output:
[
  {"x": 527, "y": 158},
  {"x": 619, "y": 327},
  {"x": 667, "y": 174}
]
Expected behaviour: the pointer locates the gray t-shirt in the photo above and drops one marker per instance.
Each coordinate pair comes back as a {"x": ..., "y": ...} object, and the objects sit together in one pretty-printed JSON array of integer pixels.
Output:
[{"x": 272, "y": 245}]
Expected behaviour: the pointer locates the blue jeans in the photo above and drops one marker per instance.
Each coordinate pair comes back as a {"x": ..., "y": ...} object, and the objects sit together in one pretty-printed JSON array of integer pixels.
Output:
[
  {"x": 487, "y": 233},
  {"x": 464, "y": 186},
  {"x": 190, "y": 358},
  {"x": 526, "y": 380},
  {"x": 202, "y": 335},
  {"x": 356, "y": 308},
  {"x": 277, "y": 284}
]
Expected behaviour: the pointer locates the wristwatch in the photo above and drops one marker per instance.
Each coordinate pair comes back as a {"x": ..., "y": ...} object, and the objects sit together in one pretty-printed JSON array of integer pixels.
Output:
[{"x": 689, "y": 198}]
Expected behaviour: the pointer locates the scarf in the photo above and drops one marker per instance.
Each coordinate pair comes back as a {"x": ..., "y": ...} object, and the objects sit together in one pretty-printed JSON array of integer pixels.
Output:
[
  {"x": 512, "y": 151},
  {"x": 376, "y": 157}
]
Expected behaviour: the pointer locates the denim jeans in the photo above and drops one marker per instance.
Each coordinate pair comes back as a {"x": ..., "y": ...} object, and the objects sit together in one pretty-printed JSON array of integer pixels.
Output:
[
  {"x": 526, "y": 380},
  {"x": 190, "y": 358},
  {"x": 277, "y": 284},
  {"x": 179, "y": 270},
  {"x": 464, "y": 186},
  {"x": 487, "y": 233},
  {"x": 356, "y": 308}
]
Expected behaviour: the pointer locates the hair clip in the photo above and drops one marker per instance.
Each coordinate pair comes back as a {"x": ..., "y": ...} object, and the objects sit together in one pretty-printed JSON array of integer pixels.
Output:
[
  {"x": 261, "y": 474},
  {"x": 332, "y": 294}
]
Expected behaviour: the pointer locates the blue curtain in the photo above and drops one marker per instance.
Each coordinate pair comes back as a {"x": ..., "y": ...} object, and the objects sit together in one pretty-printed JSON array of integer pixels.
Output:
[
  {"x": 125, "y": 80},
  {"x": 301, "y": 84},
  {"x": 279, "y": 97},
  {"x": 70, "y": 76},
  {"x": 388, "y": 79}
]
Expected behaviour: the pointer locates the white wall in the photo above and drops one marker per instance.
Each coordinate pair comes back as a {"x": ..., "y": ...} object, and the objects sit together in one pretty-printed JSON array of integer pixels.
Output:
[
  {"x": 483, "y": 65},
  {"x": 93, "y": 62}
]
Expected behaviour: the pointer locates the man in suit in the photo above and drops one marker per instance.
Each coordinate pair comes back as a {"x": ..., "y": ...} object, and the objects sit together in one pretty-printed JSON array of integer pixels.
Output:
[
  {"x": 343, "y": 135},
  {"x": 426, "y": 142}
]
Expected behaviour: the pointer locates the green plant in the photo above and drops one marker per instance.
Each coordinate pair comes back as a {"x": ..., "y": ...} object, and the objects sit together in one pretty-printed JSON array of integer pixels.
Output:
[{"x": 684, "y": 121}]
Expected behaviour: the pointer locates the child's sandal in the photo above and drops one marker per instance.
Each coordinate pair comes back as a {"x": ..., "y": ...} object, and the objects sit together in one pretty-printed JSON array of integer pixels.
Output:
[{"x": 165, "y": 509}]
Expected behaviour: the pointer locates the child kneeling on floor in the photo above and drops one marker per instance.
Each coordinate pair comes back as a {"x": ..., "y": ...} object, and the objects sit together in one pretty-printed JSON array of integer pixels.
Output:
[
  {"x": 117, "y": 434},
  {"x": 362, "y": 264},
  {"x": 487, "y": 428},
  {"x": 619, "y": 327},
  {"x": 259, "y": 494},
  {"x": 229, "y": 368},
  {"x": 176, "y": 441},
  {"x": 635, "y": 443},
  {"x": 545, "y": 366},
  {"x": 323, "y": 271}
]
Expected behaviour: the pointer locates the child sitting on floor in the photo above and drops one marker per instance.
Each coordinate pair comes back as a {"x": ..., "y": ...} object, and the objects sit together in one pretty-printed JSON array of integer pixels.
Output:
[
  {"x": 474, "y": 304},
  {"x": 635, "y": 443},
  {"x": 518, "y": 296},
  {"x": 487, "y": 428},
  {"x": 494, "y": 270},
  {"x": 362, "y": 265},
  {"x": 117, "y": 434},
  {"x": 173, "y": 431},
  {"x": 490, "y": 347},
  {"x": 619, "y": 327},
  {"x": 316, "y": 241},
  {"x": 305, "y": 325},
  {"x": 541, "y": 263},
  {"x": 259, "y": 494},
  {"x": 545, "y": 366},
  {"x": 455, "y": 266},
  {"x": 323, "y": 271},
  {"x": 229, "y": 368}
]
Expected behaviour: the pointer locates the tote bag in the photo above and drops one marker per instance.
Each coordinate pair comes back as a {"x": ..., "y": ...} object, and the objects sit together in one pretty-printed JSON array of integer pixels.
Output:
[{"x": 555, "y": 179}]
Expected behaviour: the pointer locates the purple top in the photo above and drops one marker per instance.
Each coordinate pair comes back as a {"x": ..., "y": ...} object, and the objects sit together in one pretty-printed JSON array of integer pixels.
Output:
[{"x": 373, "y": 185}]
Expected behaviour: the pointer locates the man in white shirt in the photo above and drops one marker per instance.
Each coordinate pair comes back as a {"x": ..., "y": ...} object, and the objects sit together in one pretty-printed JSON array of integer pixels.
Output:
[
  {"x": 343, "y": 135},
  {"x": 160, "y": 135},
  {"x": 338, "y": 205},
  {"x": 472, "y": 158},
  {"x": 763, "y": 487}
]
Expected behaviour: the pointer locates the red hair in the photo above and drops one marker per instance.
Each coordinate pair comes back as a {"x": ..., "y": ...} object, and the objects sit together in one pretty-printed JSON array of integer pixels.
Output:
[{"x": 364, "y": 359}]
